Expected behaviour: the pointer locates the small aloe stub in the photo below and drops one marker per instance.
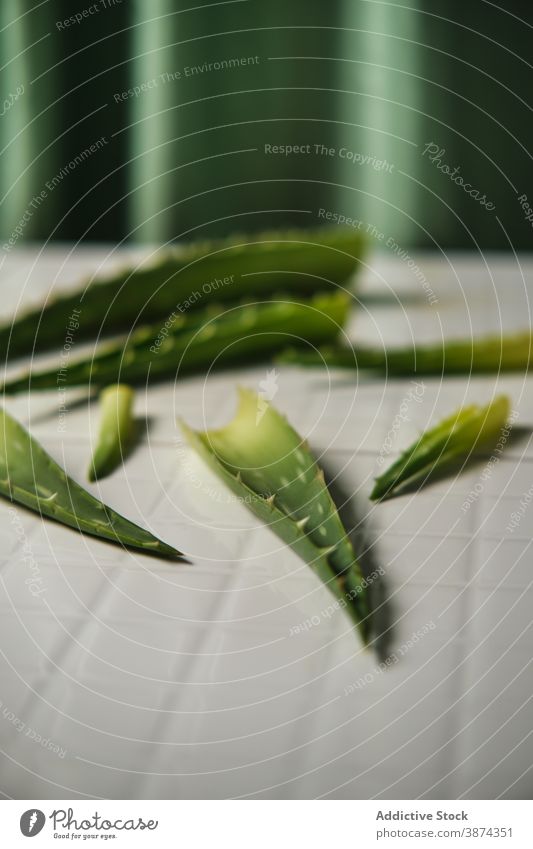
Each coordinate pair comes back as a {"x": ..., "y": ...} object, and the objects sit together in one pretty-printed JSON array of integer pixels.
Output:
[
  {"x": 242, "y": 266},
  {"x": 29, "y": 476},
  {"x": 264, "y": 461},
  {"x": 117, "y": 430},
  {"x": 445, "y": 448}
]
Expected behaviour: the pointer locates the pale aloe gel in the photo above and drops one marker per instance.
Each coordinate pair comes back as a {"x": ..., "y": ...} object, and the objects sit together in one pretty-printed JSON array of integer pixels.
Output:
[{"x": 263, "y": 460}]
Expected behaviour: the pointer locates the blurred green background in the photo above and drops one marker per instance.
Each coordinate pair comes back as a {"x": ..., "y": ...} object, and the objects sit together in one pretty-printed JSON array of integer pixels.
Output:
[{"x": 185, "y": 155}]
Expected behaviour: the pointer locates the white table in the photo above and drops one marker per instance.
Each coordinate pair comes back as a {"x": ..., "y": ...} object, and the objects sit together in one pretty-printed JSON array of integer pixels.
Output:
[{"x": 160, "y": 680}]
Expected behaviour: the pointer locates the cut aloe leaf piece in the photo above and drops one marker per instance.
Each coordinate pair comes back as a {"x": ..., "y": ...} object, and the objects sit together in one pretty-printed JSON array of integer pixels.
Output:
[
  {"x": 488, "y": 355},
  {"x": 264, "y": 461},
  {"x": 117, "y": 430},
  {"x": 29, "y": 476},
  {"x": 445, "y": 448},
  {"x": 197, "y": 341}
]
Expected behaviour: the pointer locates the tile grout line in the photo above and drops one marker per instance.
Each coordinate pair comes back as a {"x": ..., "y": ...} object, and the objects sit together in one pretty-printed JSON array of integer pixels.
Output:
[{"x": 466, "y": 606}]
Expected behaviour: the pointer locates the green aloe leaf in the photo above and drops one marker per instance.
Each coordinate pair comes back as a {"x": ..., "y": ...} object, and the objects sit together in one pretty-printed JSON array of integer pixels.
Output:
[
  {"x": 445, "y": 448},
  {"x": 194, "y": 342},
  {"x": 192, "y": 276},
  {"x": 477, "y": 356},
  {"x": 264, "y": 461},
  {"x": 29, "y": 476},
  {"x": 117, "y": 430}
]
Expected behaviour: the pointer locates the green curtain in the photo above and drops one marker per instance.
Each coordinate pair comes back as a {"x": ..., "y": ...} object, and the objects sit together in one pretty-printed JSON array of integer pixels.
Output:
[{"x": 153, "y": 121}]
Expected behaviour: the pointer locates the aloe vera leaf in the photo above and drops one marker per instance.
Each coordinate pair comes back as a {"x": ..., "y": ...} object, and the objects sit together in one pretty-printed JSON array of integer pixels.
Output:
[
  {"x": 29, "y": 476},
  {"x": 195, "y": 342},
  {"x": 264, "y": 461},
  {"x": 445, "y": 447},
  {"x": 239, "y": 267},
  {"x": 117, "y": 430},
  {"x": 477, "y": 356}
]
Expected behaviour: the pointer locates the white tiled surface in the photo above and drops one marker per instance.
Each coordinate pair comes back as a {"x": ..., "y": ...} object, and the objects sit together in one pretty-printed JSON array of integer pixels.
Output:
[{"x": 172, "y": 680}]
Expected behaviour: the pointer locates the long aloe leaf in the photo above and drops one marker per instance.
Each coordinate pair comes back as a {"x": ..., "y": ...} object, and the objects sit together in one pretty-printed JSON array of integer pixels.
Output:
[
  {"x": 477, "y": 356},
  {"x": 117, "y": 430},
  {"x": 264, "y": 461},
  {"x": 195, "y": 342},
  {"x": 29, "y": 476},
  {"x": 189, "y": 277},
  {"x": 445, "y": 447}
]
